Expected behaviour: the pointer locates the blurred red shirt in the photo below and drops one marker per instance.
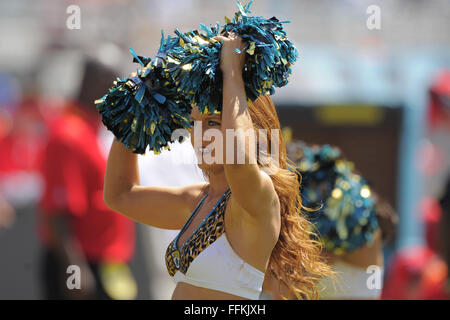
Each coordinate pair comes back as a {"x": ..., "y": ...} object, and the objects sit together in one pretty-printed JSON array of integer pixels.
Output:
[
  {"x": 22, "y": 137},
  {"x": 73, "y": 171},
  {"x": 418, "y": 272}
]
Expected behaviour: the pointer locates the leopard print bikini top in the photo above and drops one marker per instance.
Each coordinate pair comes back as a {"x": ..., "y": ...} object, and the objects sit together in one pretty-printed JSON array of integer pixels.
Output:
[
  {"x": 207, "y": 260},
  {"x": 212, "y": 227}
]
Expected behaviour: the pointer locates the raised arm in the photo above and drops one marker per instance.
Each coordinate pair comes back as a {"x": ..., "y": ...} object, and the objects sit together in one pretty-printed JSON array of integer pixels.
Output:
[
  {"x": 251, "y": 187},
  {"x": 162, "y": 207}
]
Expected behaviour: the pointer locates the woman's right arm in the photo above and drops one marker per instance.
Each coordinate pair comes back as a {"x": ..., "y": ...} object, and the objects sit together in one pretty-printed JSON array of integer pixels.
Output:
[{"x": 162, "y": 207}]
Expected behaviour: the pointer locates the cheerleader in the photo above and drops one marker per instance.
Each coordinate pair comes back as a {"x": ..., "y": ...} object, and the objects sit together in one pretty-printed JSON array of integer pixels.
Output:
[
  {"x": 240, "y": 224},
  {"x": 349, "y": 219}
]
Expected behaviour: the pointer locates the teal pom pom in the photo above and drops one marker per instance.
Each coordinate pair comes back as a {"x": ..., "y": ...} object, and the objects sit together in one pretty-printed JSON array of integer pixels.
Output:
[
  {"x": 346, "y": 215},
  {"x": 144, "y": 110},
  {"x": 269, "y": 57}
]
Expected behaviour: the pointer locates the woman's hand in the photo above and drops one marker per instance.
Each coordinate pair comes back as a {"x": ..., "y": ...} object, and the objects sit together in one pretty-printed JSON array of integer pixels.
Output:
[{"x": 231, "y": 62}]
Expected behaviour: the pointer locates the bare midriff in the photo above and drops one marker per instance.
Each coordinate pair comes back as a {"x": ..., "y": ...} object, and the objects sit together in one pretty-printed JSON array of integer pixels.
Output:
[{"x": 185, "y": 291}]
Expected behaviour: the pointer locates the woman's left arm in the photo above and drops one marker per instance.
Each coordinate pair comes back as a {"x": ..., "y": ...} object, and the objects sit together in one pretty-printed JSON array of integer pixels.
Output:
[{"x": 251, "y": 187}]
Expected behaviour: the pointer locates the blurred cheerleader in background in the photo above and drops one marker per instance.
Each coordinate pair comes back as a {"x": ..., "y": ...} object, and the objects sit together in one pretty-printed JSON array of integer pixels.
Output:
[{"x": 351, "y": 220}]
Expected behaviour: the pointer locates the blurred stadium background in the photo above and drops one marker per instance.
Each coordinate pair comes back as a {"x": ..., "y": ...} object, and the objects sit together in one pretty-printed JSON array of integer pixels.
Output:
[{"x": 366, "y": 91}]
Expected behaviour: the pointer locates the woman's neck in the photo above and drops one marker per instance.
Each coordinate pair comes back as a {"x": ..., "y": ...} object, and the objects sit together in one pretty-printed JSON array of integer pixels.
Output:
[{"x": 217, "y": 183}]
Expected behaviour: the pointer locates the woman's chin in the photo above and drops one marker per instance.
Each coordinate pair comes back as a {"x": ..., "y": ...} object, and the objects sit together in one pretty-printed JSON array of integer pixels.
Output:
[{"x": 213, "y": 167}]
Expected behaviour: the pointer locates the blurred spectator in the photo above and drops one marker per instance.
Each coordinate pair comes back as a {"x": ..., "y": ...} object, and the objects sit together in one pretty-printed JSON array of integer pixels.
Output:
[
  {"x": 22, "y": 137},
  {"x": 22, "y": 142},
  {"x": 76, "y": 227},
  {"x": 445, "y": 234},
  {"x": 439, "y": 105},
  {"x": 420, "y": 272}
]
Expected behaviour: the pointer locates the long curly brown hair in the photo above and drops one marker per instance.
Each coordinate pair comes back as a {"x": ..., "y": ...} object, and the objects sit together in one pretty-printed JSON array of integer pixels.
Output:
[{"x": 296, "y": 261}]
